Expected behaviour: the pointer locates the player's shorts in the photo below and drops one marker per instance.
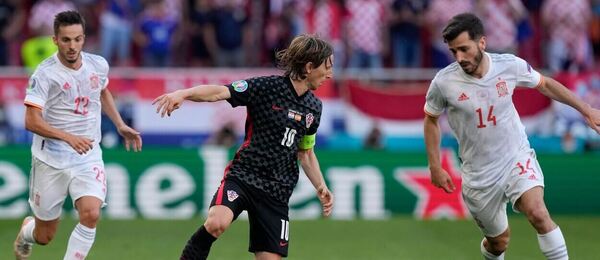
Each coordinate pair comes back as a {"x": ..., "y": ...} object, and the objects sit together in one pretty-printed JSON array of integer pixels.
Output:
[
  {"x": 488, "y": 206},
  {"x": 268, "y": 217},
  {"x": 48, "y": 186}
]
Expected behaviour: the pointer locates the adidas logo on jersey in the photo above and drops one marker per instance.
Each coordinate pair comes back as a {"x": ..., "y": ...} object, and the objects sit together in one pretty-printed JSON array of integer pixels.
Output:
[{"x": 463, "y": 97}]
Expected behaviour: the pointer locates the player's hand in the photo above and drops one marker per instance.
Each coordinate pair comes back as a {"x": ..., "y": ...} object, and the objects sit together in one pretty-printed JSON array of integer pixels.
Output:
[
  {"x": 167, "y": 103},
  {"x": 326, "y": 198},
  {"x": 593, "y": 119},
  {"x": 80, "y": 144},
  {"x": 132, "y": 138},
  {"x": 441, "y": 179}
]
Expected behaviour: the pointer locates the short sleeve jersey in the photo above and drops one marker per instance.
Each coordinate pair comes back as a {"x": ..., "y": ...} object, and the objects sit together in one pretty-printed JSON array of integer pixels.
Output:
[
  {"x": 70, "y": 101},
  {"x": 276, "y": 122},
  {"x": 482, "y": 115}
]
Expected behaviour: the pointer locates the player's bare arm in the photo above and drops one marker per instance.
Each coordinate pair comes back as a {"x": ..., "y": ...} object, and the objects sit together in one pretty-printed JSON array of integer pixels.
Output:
[
  {"x": 131, "y": 136},
  {"x": 555, "y": 90},
  {"x": 35, "y": 123},
  {"x": 310, "y": 165},
  {"x": 167, "y": 103},
  {"x": 439, "y": 177}
]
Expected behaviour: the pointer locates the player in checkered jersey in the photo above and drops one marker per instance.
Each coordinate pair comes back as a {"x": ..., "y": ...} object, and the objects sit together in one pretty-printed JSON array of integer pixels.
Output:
[
  {"x": 282, "y": 120},
  {"x": 498, "y": 165},
  {"x": 64, "y": 100}
]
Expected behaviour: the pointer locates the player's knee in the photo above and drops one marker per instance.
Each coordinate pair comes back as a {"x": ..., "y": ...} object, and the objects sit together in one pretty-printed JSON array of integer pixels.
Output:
[
  {"x": 216, "y": 227},
  {"x": 44, "y": 238},
  {"x": 89, "y": 217},
  {"x": 498, "y": 244},
  {"x": 538, "y": 216}
]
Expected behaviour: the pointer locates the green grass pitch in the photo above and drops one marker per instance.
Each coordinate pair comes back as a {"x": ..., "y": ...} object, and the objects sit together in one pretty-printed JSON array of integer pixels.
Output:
[{"x": 400, "y": 237}]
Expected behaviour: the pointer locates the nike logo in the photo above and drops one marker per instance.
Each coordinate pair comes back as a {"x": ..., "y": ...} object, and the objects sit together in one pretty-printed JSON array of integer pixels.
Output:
[
  {"x": 275, "y": 107},
  {"x": 282, "y": 244}
]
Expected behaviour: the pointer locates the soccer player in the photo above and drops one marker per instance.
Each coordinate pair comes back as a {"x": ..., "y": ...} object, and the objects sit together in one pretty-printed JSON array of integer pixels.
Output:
[
  {"x": 282, "y": 120},
  {"x": 64, "y": 98},
  {"x": 498, "y": 165}
]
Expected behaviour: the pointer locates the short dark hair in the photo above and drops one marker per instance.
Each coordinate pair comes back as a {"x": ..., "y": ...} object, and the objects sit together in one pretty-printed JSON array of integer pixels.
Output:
[
  {"x": 303, "y": 49},
  {"x": 463, "y": 22},
  {"x": 67, "y": 18}
]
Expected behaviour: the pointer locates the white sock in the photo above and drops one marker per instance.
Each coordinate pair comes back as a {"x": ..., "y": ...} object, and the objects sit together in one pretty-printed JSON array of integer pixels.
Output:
[
  {"x": 28, "y": 232},
  {"x": 489, "y": 256},
  {"x": 80, "y": 242},
  {"x": 553, "y": 245}
]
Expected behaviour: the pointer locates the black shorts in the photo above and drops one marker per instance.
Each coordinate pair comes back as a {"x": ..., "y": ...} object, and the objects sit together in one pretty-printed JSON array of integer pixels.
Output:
[{"x": 268, "y": 217}]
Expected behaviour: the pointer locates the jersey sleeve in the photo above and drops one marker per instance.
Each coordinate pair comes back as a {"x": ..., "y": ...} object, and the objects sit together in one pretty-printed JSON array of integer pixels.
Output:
[
  {"x": 526, "y": 75},
  {"x": 37, "y": 92},
  {"x": 435, "y": 103},
  {"x": 104, "y": 68},
  {"x": 241, "y": 92}
]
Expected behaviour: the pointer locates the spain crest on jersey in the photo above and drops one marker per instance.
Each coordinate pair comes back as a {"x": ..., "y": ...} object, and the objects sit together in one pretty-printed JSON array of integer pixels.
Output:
[
  {"x": 502, "y": 88},
  {"x": 94, "y": 81},
  {"x": 309, "y": 119},
  {"x": 232, "y": 195}
]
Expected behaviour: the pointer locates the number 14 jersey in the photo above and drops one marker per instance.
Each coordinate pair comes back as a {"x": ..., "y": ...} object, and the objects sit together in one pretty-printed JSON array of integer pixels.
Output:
[{"x": 482, "y": 115}]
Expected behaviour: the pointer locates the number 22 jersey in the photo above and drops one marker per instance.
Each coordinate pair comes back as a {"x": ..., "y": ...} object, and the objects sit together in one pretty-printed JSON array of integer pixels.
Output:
[{"x": 482, "y": 115}]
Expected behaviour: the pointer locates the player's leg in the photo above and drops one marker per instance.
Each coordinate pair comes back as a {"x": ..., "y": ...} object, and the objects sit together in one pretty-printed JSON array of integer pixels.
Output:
[
  {"x": 88, "y": 190},
  {"x": 527, "y": 194},
  {"x": 227, "y": 204},
  {"x": 48, "y": 187},
  {"x": 488, "y": 208},
  {"x": 269, "y": 227}
]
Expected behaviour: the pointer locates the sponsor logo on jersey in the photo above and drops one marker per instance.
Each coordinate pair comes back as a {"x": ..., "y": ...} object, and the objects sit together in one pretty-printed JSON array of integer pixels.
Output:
[
  {"x": 66, "y": 86},
  {"x": 240, "y": 85},
  {"x": 309, "y": 119},
  {"x": 528, "y": 68},
  {"x": 232, "y": 195},
  {"x": 282, "y": 243},
  {"x": 501, "y": 88},
  {"x": 463, "y": 97},
  {"x": 276, "y": 107},
  {"x": 94, "y": 81}
]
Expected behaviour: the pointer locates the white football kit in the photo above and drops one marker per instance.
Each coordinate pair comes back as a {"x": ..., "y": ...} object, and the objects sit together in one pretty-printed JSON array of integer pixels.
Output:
[
  {"x": 70, "y": 101},
  {"x": 498, "y": 163}
]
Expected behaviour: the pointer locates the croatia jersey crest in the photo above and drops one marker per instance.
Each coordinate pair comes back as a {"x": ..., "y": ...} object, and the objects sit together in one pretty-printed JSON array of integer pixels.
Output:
[
  {"x": 309, "y": 119},
  {"x": 232, "y": 195}
]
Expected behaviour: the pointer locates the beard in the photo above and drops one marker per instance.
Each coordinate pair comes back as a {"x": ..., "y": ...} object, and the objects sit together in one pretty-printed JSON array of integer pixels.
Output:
[{"x": 474, "y": 65}]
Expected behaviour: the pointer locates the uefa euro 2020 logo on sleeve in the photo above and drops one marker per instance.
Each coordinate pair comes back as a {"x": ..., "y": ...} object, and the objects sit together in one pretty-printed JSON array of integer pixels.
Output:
[{"x": 240, "y": 85}]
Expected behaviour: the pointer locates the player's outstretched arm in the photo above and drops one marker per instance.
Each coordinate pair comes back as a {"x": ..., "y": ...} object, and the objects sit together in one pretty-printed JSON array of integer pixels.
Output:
[
  {"x": 554, "y": 90},
  {"x": 35, "y": 123},
  {"x": 167, "y": 103},
  {"x": 310, "y": 165},
  {"x": 131, "y": 136},
  {"x": 439, "y": 177}
]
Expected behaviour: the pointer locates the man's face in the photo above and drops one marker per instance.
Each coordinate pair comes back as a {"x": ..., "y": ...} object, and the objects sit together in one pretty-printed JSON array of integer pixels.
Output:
[
  {"x": 319, "y": 74},
  {"x": 69, "y": 40},
  {"x": 467, "y": 52}
]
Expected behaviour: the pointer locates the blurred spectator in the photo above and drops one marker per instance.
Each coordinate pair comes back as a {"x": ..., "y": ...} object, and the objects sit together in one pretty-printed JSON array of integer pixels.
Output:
[
  {"x": 279, "y": 31},
  {"x": 227, "y": 34},
  {"x": 366, "y": 27},
  {"x": 198, "y": 19},
  {"x": 225, "y": 136},
  {"x": 116, "y": 22},
  {"x": 501, "y": 18},
  {"x": 324, "y": 18},
  {"x": 41, "y": 24},
  {"x": 595, "y": 29},
  {"x": 405, "y": 32},
  {"x": 569, "y": 46},
  {"x": 373, "y": 140},
  {"x": 437, "y": 15},
  {"x": 155, "y": 34},
  {"x": 12, "y": 19}
]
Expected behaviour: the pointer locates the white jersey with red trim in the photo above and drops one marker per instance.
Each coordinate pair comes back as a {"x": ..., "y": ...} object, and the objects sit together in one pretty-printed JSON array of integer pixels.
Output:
[
  {"x": 482, "y": 115},
  {"x": 70, "y": 101}
]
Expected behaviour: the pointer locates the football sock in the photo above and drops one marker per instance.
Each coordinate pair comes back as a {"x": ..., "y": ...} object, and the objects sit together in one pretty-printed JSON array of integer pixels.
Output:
[
  {"x": 80, "y": 242},
  {"x": 198, "y": 247},
  {"x": 28, "y": 232},
  {"x": 553, "y": 245},
  {"x": 489, "y": 256}
]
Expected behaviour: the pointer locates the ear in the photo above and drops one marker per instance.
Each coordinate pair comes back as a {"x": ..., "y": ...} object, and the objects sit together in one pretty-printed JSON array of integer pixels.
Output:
[
  {"x": 482, "y": 43},
  {"x": 308, "y": 67},
  {"x": 55, "y": 40}
]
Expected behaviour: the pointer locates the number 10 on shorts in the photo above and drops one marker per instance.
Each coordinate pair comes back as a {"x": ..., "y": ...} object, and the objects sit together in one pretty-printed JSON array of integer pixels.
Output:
[{"x": 285, "y": 230}]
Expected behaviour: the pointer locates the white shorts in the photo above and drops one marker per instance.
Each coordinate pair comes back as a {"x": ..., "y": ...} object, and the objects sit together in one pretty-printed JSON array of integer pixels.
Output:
[
  {"x": 488, "y": 206},
  {"x": 48, "y": 186}
]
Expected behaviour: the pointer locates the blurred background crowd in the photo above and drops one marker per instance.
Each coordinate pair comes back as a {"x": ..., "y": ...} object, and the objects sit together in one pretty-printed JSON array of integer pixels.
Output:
[{"x": 393, "y": 39}]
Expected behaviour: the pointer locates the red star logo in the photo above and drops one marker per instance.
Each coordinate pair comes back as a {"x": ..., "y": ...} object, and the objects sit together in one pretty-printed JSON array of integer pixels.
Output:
[{"x": 433, "y": 202}]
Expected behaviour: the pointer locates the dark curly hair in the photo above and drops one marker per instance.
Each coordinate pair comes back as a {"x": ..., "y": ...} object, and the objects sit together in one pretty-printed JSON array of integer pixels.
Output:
[{"x": 67, "y": 18}]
